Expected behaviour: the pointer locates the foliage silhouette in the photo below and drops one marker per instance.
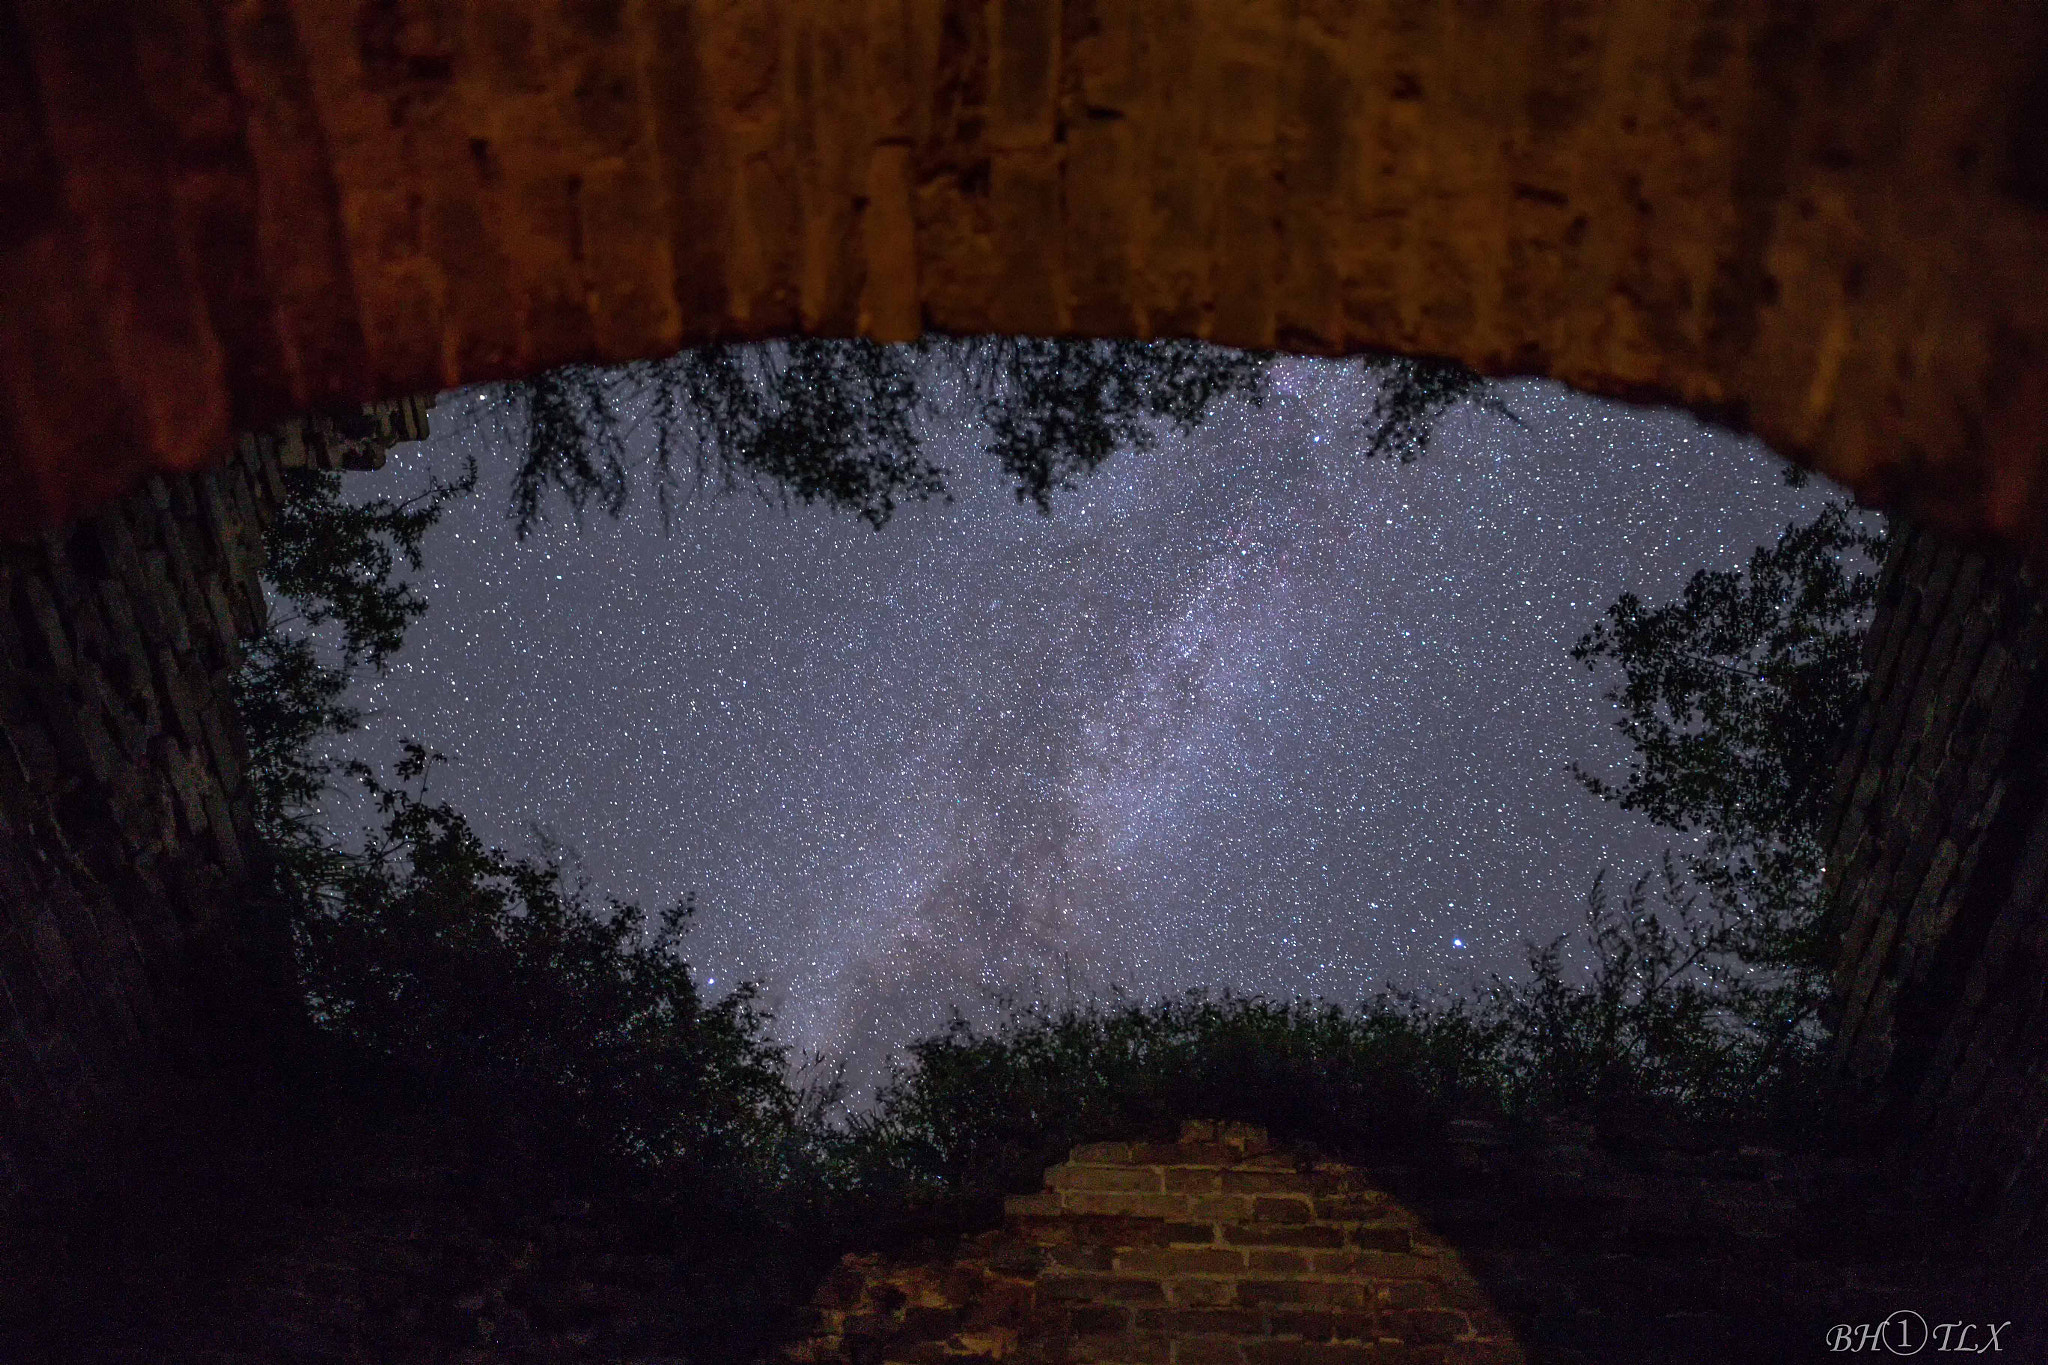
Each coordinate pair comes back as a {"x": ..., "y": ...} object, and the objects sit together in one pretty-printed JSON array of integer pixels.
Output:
[
  {"x": 1414, "y": 393},
  {"x": 1654, "y": 1034},
  {"x": 1735, "y": 698},
  {"x": 563, "y": 1035},
  {"x": 844, "y": 423}
]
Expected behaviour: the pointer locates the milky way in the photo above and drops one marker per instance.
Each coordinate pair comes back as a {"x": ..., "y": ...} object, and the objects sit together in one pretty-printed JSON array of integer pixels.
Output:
[{"x": 1248, "y": 710}]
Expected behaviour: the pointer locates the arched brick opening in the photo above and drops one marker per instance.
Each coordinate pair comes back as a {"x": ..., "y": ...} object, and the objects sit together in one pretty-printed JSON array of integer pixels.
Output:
[{"x": 1820, "y": 220}]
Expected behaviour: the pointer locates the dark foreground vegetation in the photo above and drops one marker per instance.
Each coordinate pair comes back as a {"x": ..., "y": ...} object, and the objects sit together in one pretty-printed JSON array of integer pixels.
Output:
[{"x": 561, "y": 1054}]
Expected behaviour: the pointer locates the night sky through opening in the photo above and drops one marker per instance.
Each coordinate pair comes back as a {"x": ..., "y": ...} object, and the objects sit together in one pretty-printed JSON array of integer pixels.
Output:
[{"x": 1247, "y": 711}]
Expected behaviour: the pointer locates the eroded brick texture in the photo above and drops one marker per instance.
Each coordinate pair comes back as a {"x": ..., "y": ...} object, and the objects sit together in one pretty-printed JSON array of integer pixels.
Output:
[
  {"x": 1821, "y": 220},
  {"x": 1938, "y": 850},
  {"x": 124, "y": 816},
  {"x": 1213, "y": 1250},
  {"x": 1554, "y": 1244}
]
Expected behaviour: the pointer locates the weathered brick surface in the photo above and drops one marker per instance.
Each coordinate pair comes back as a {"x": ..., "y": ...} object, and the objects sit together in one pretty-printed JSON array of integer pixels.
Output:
[
  {"x": 1544, "y": 1246},
  {"x": 1823, "y": 220},
  {"x": 1172, "y": 1284},
  {"x": 124, "y": 820}
]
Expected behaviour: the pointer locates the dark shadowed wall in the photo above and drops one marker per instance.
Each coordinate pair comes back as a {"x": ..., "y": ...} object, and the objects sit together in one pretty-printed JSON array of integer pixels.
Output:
[
  {"x": 1938, "y": 849},
  {"x": 125, "y": 834}
]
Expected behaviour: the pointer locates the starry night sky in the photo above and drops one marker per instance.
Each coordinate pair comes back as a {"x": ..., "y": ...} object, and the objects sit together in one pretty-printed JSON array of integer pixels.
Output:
[{"x": 1248, "y": 710}]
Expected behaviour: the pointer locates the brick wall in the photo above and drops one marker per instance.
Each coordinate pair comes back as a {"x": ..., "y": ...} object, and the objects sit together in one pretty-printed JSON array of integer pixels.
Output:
[
  {"x": 1938, "y": 852},
  {"x": 124, "y": 818},
  {"x": 1822, "y": 218},
  {"x": 1547, "y": 1245},
  {"x": 1213, "y": 1250}
]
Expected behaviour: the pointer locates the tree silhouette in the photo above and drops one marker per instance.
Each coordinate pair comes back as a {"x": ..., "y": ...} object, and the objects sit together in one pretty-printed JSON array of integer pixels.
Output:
[
  {"x": 1735, "y": 698},
  {"x": 844, "y": 422}
]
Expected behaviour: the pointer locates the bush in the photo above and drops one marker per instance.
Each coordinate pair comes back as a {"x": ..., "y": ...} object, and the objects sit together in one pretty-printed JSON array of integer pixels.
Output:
[
  {"x": 978, "y": 1114},
  {"x": 555, "y": 1035}
]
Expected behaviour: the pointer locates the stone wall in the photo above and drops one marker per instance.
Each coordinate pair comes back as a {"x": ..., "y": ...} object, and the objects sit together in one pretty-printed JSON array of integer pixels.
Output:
[
  {"x": 124, "y": 817},
  {"x": 1819, "y": 218},
  {"x": 1938, "y": 853}
]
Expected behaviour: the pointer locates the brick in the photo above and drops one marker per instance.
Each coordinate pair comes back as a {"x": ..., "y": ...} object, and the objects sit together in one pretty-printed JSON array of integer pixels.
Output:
[
  {"x": 1100, "y": 1319},
  {"x": 1275, "y": 1161},
  {"x": 1326, "y": 1324},
  {"x": 1102, "y": 1153},
  {"x": 1343, "y": 1353},
  {"x": 1121, "y": 1349},
  {"x": 1192, "y": 1179},
  {"x": 1277, "y": 1262},
  {"x": 1382, "y": 1237},
  {"x": 1181, "y": 1261},
  {"x": 1207, "y": 1351},
  {"x": 1146, "y": 1348},
  {"x": 1082, "y": 1256},
  {"x": 1189, "y": 1233},
  {"x": 1263, "y": 1182},
  {"x": 1391, "y": 1265},
  {"x": 1216, "y": 1321},
  {"x": 1129, "y": 1205},
  {"x": 1428, "y": 1326},
  {"x": 1413, "y": 1294},
  {"x": 1020, "y": 1261},
  {"x": 1099, "y": 1289},
  {"x": 1206, "y": 1293},
  {"x": 1305, "y": 1324},
  {"x": 1220, "y": 1208},
  {"x": 1272, "y": 1352},
  {"x": 1246, "y": 1137},
  {"x": 1045, "y": 1204},
  {"x": 1344, "y": 1208},
  {"x": 1305, "y": 1293},
  {"x": 1281, "y": 1209},
  {"x": 1115, "y": 1178},
  {"x": 1283, "y": 1235}
]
